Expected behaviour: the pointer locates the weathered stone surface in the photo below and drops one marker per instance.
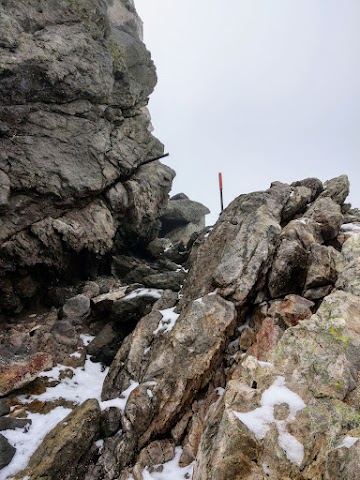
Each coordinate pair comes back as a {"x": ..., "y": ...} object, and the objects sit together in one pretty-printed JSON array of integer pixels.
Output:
[
  {"x": 349, "y": 276},
  {"x": 337, "y": 189},
  {"x": 298, "y": 200},
  {"x": 182, "y": 210},
  {"x": 314, "y": 184},
  {"x": 291, "y": 310},
  {"x": 237, "y": 252},
  {"x": 156, "y": 453},
  {"x": 75, "y": 78},
  {"x": 174, "y": 365},
  {"x": 7, "y": 452},
  {"x": 9, "y": 423},
  {"x": 169, "y": 280},
  {"x": 17, "y": 371},
  {"x": 105, "y": 345},
  {"x": 66, "y": 450},
  {"x": 76, "y": 307},
  {"x": 327, "y": 214},
  {"x": 323, "y": 266},
  {"x": 4, "y": 408},
  {"x": 251, "y": 431}
]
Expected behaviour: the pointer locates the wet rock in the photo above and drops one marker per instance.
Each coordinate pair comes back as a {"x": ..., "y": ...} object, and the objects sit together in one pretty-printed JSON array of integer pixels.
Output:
[
  {"x": 66, "y": 450},
  {"x": 7, "y": 452},
  {"x": 17, "y": 371}
]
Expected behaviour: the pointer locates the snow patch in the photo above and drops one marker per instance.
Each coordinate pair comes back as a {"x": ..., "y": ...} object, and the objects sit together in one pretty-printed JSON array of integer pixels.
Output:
[
  {"x": 76, "y": 355},
  {"x": 122, "y": 400},
  {"x": 167, "y": 323},
  {"x": 350, "y": 226},
  {"x": 86, "y": 339},
  {"x": 27, "y": 442},
  {"x": 348, "y": 442},
  {"x": 170, "y": 470},
  {"x": 258, "y": 420},
  {"x": 143, "y": 292}
]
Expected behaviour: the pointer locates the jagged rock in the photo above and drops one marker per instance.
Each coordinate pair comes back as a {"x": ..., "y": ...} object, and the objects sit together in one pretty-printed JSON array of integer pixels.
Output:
[
  {"x": 291, "y": 310},
  {"x": 156, "y": 453},
  {"x": 237, "y": 252},
  {"x": 299, "y": 198},
  {"x": 7, "y": 452},
  {"x": 327, "y": 214},
  {"x": 318, "y": 293},
  {"x": 323, "y": 266},
  {"x": 182, "y": 218},
  {"x": 111, "y": 421},
  {"x": 337, "y": 189},
  {"x": 4, "y": 408},
  {"x": 314, "y": 184},
  {"x": 76, "y": 308},
  {"x": 184, "y": 358},
  {"x": 66, "y": 450},
  {"x": 350, "y": 271},
  {"x": 169, "y": 280},
  {"x": 75, "y": 78},
  {"x": 9, "y": 423},
  {"x": 105, "y": 345},
  {"x": 17, "y": 371}
]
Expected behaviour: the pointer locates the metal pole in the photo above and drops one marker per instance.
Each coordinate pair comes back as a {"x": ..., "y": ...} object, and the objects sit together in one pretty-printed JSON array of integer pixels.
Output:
[{"x": 221, "y": 191}]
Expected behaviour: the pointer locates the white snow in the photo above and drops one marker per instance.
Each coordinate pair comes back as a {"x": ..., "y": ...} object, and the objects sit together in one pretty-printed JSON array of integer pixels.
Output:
[
  {"x": 302, "y": 220},
  {"x": 100, "y": 445},
  {"x": 86, "y": 338},
  {"x": 220, "y": 391},
  {"x": 266, "y": 468},
  {"x": 199, "y": 300},
  {"x": 149, "y": 393},
  {"x": 147, "y": 350},
  {"x": 265, "y": 364},
  {"x": 86, "y": 382},
  {"x": 144, "y": 292},
  {"x": 27, "y": 443},
  {"x": 170, "y": 470},
  {"x": 258, "y": 420},
  {"x": 167, "y": 323},
  {"x": 122, "y": 401},
  {"x": 348, "y": 442},
  {"x": 76, "y": 355}
]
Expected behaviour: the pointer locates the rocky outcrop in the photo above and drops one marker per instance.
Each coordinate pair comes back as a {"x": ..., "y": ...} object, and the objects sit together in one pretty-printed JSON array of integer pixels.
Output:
[
  {"x": 182, "y": 218},
  {"x": 78, "y": 172}
]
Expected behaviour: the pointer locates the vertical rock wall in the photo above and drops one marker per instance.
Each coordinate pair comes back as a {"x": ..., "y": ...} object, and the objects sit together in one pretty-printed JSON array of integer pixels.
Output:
[{"x": 75, "y": 138}]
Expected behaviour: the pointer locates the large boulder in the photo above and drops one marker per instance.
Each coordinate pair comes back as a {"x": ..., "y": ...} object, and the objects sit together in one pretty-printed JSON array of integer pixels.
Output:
[
  {"x": 75, "y": 138},
  {"x": 65, "y": 451}
]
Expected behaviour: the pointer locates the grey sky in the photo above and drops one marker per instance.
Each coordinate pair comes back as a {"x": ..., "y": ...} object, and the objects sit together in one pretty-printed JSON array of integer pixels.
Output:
[{"x": 261, "y": 90}]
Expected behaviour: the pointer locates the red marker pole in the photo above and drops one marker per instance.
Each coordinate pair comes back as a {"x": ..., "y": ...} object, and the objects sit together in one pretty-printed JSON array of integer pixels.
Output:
[{"x": 221, "y": 191}]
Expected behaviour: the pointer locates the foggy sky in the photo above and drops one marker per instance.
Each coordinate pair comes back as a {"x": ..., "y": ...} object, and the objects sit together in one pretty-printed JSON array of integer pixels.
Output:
[{"x": 260, "y": 90}]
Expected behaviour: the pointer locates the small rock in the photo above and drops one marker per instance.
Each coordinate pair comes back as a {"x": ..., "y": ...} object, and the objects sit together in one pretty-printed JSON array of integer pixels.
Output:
[
  {"x": 17, "y": 371},
  {"x": 90, "y": 289},
  {"x": 9, "y": 423},
  {"x": 77, "y": 307},
  {"x": 111, "y": 421},
  {"x": 7, "y": 452}
]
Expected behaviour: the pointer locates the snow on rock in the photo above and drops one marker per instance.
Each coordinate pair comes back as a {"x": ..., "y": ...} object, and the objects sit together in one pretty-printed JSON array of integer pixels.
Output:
[
  {"x": 348, "y": 442},
  {"x": 27, "y": 442},
  {"x": 167, "y": 323},
  {"x": 258, "y": 420},
  {"x": 144, "y": 292},
  {"x": 169, "y": 470}
]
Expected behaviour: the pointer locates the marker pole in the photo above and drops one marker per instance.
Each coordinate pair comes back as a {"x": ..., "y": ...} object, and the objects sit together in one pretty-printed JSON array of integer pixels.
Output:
[{"x": 221, "y": 191}]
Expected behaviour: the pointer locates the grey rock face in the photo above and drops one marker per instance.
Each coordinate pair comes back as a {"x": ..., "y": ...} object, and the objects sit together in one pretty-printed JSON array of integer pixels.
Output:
[
  {"x": 7, "y": 452},
  {"x": 74, "y": 131},
  {"x": 182, "y": 218}
]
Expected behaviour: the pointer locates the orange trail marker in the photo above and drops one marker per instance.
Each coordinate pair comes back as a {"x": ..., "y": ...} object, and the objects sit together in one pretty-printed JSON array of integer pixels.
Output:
[{"x": 221, "y": 191}]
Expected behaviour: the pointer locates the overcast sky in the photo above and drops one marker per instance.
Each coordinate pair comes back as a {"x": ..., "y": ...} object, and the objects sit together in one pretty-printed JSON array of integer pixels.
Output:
[{"x": 260, "y": 90}]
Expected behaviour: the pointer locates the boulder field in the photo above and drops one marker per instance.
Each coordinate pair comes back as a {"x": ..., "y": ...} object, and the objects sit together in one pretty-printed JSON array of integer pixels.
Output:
[{"x": 136, "y": 343}]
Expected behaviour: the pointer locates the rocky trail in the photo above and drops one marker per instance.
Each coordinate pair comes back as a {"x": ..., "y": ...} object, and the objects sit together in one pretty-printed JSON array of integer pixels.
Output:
[{"x": 136, "y": 343}]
